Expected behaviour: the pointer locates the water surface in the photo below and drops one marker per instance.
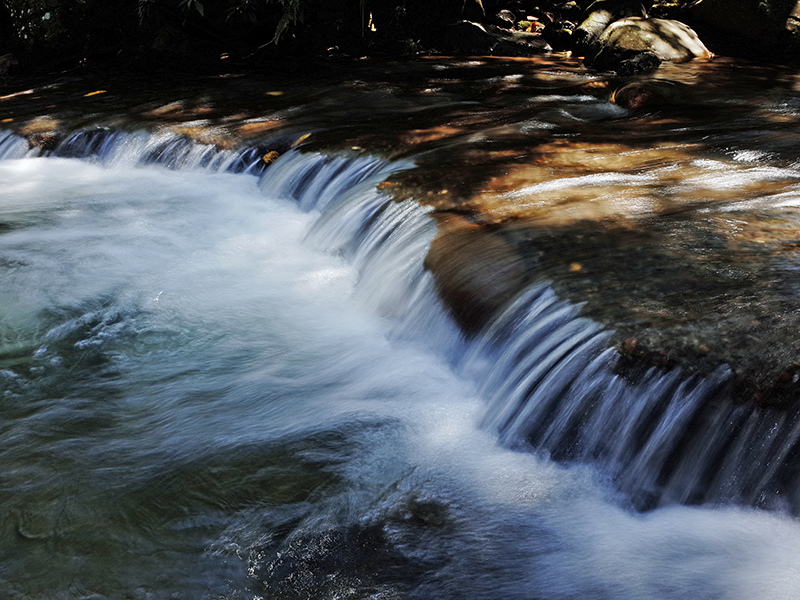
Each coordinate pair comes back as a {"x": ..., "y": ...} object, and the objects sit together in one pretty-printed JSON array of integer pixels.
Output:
[{"x": 209, "y": 393}]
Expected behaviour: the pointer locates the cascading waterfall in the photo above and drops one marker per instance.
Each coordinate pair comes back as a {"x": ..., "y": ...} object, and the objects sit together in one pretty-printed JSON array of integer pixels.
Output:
[
  {"x": 446, "y": 513},
  {"x": 547, "y": 374},
  {"x": 12, "y": 146}
]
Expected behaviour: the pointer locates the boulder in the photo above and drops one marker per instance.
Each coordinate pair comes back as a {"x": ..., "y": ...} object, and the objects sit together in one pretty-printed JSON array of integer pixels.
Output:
[
  {"x": 467, "y": 37},
  {"x": 600, "y": 15},
  {"x": 559, "y": 34},
  {"x": 666, "y": 38},
  {"x": 617, "y": 49},
  {"x": 505, "y": 19}
]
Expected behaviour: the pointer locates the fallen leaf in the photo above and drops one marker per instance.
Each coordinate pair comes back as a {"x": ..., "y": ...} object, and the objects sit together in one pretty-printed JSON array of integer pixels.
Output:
[
  {"x": 270, "y": 157},
  {"x": 94, "y": 93},
  {"x": 301, "y": 139}
]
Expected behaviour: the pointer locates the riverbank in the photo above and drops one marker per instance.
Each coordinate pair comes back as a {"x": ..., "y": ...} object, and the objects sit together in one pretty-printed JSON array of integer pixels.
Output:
[{"x": 47, "y": 36}]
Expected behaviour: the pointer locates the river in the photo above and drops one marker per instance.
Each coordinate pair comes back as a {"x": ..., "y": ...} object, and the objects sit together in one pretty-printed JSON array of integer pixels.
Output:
[{"x": 225, "y": 381}]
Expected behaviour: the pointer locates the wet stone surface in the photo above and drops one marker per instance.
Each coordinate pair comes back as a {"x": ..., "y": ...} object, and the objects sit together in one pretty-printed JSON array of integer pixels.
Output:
[{"x": 672, "y": 215}]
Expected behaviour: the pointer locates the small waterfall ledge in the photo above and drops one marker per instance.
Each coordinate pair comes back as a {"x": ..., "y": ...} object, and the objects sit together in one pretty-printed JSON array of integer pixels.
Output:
[{"x": 548, "y": 375}]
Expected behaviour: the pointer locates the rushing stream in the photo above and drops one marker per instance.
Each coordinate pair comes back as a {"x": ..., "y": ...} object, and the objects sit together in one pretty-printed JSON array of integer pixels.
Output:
[
  {"x": 240, "y": 386},
  {"x": 226, "y": 380}
]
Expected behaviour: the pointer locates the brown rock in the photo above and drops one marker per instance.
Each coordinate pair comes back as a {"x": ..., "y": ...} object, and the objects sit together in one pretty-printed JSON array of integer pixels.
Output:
[{"x": 476, "y": 272}]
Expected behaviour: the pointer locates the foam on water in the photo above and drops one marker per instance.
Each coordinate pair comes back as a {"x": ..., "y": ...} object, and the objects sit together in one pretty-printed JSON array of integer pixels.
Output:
[{"x": 247, "y": 397}]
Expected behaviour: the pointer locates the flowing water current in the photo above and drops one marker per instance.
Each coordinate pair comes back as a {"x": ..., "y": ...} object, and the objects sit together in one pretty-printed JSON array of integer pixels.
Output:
[{"x": 241, "y": 386}]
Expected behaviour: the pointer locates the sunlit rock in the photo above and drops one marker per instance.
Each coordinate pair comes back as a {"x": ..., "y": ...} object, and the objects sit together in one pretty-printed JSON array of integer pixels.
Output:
[
  {"x": 600, "y": 15},
  {"x": 668, "y": 39}
]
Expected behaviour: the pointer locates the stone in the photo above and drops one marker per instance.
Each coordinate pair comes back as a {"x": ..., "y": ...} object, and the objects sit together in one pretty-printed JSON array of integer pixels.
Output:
[
  {"x": 666, "y": 38},
  {"x": 467, "y": 37},
  {"x": 600, "y": 15},
  {"x": 647, "y": 94},
  {"x": 505, "y": 19},
  {"x": 793, "y": 22},
  {"x": 638, "y": 64},
  {"x": 621, "y": 44},
  {"x": 559, "y": 35}
]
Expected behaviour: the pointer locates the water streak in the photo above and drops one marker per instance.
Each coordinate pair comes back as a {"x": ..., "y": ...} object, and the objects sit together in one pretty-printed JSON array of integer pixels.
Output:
[
  {"x": 550, "y": 381},
  {"x": 201, "y": 406}
]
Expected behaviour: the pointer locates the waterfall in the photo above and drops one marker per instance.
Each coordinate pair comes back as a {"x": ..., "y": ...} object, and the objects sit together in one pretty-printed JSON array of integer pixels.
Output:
[
  {"x": 12, "y": 146},
  {"x": 548, "y": 376}
]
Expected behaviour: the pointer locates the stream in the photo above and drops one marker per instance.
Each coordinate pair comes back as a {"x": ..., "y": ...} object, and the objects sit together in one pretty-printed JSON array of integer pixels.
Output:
[{"x": 222, "y": 379}]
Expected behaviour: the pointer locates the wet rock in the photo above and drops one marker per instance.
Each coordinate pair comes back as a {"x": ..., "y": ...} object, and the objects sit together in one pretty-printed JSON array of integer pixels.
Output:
[
  {"x": 639, "y": 63},
  {"x": 505, "y": 19},
  {"x": 592, "y": 27},
  {"x": 647, "y": 94},
  {"x": 466, "y": 37},
  {"x": 600, "y": 15},
  {"x": 476, "y": 272},
  {"x": 621, "y": 44},
  {"x": 793, "y": 22},
  {"x": 45, "y": 141},
  {"x": 668, "y": 39},
  {"x": 559, "y": 34}
]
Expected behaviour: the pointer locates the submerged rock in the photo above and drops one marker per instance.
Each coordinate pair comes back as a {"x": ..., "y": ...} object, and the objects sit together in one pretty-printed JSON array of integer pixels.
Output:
[{"x": 647, "y": 94}]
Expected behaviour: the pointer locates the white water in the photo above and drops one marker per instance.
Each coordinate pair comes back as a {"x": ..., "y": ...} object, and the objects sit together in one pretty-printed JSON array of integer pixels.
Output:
[{"x": 165, "y": 335}]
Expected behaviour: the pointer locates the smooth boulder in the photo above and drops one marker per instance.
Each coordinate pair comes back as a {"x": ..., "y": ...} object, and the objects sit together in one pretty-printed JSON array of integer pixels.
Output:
[
  {"x": 637, "y": 45},
  {"x": 668, "y": 39},
  {"x": 600, "y": 15}
]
